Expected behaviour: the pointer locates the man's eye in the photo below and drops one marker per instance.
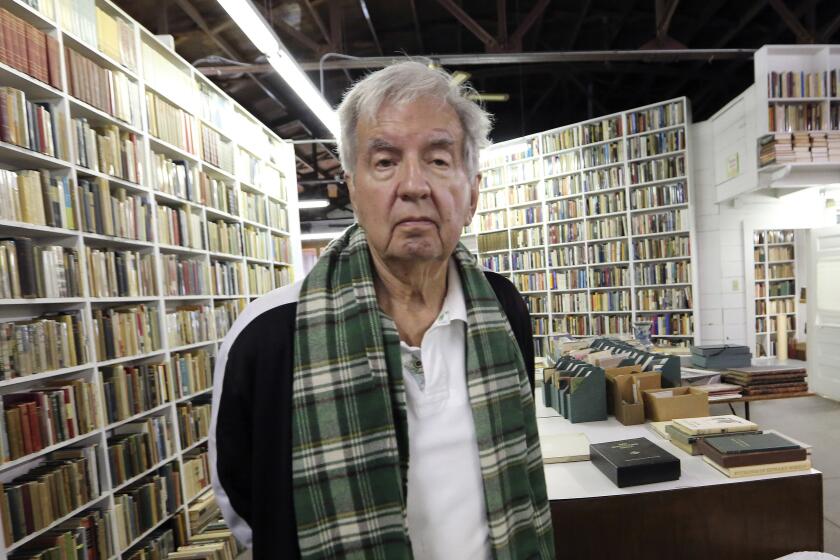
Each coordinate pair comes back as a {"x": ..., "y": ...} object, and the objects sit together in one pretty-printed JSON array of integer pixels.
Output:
[
  {"x": 440, "y": 162},
  {"x": 384, "y": 163}
]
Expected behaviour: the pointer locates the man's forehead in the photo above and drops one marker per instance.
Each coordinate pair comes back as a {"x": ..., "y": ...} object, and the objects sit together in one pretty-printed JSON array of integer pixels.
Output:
[{"x": 426, "y": 120}]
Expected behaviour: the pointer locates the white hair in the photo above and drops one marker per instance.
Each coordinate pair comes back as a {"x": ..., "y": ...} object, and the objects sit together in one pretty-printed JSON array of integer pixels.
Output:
[{"x": 404, "y": 82}]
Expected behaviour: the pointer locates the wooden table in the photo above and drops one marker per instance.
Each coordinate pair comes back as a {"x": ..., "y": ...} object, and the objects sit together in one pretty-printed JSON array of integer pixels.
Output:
[
  {"x": 703, "y": 515},
  {"x": 748, "y": 399}
]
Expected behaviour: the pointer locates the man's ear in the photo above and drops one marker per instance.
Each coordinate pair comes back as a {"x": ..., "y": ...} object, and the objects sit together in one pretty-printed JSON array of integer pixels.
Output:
[
  {"x": 474, "y": 184},
  {"x": 351, "y": 189}
]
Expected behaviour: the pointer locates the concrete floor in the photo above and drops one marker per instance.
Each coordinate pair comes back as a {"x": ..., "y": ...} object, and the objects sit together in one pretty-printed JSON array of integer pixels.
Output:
[
  {"x": 812, "y": 420},
  {"x": 816, "y": 421}
]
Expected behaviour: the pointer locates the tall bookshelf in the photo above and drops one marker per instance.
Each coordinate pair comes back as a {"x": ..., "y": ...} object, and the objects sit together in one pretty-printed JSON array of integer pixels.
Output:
[
  {"x": 205, "y": 251},
  {"x": 592, "y": 222},
  {"x": 775, "y": 286}
]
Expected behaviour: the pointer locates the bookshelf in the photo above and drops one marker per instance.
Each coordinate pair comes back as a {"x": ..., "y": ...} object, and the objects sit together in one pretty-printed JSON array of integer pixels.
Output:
[
  {"x": 595, "y": 224},
  {"x": 146, "y": 218},
  {"x": 775, "y": 286}
]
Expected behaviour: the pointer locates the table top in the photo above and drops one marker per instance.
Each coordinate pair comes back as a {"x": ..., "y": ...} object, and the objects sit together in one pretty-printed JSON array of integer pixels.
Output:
[
  {"x": 568, "y": 481},
  {"x": 751, "y": 398}
]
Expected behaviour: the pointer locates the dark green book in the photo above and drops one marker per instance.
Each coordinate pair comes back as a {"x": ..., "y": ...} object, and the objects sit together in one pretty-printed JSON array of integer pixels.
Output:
[{"x": 750, "y": 443}]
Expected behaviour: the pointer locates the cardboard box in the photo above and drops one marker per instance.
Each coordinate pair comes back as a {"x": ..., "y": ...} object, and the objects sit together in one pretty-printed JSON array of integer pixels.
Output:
[
  {"x": 678, "y": 402},
  {"x": 620, "y": 398}
]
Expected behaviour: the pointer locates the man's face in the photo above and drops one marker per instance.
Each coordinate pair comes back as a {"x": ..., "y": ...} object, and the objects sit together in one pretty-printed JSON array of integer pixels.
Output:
[{"x": 410, "y": 189}]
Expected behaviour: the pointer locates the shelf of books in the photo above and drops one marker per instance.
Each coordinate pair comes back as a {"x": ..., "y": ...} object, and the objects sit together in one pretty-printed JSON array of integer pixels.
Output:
[
  {"x": 593, "y": 224},
  {"x": 140, "y": 210},
  {"x": 775, "y": 286},
  {"x": 798, "y": 88}
]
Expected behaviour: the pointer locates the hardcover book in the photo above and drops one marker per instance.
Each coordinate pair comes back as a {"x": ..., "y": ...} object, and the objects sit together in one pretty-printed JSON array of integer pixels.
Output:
[
  {"x": 746, "y": 459},
  {"x": 564, "y": 448},
  {"x": 714, "y": 425},
  {"x": 751, "y": 443},
  {"x": 632, "y": 462}
]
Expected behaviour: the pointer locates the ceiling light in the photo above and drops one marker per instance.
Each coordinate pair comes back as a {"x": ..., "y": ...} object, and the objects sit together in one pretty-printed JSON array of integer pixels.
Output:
[
  {"x": 256, "y": 28},
  {"x": 458, "y": 78},
  {"x": 313, "y": 203}
]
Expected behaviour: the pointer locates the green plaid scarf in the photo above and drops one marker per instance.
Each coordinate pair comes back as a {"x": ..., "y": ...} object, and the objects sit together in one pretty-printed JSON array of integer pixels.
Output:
[{"x": 350, "y": 435}]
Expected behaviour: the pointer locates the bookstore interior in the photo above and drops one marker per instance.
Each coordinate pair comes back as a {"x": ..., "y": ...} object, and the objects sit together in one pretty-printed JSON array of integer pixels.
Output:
[{"x": 676, "y": 272}]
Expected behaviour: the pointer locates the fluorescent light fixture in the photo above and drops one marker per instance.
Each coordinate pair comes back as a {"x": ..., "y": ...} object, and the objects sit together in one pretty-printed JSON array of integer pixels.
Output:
[
  {"x": 319, "y": 236},
  {"x": 257, "y": 29},
  {"x": 316, "y": 203},
  {"x": 459, "y": 77}
]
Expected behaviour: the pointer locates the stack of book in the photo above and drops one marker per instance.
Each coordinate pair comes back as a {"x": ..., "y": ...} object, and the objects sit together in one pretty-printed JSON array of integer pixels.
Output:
[
  {"x": 720, "y": 391},
  {"x": 769, "y": 379},
  {"x": 687, "y": 433},
  {"x": 819, "y": 147},
  {"x": 801, "y": 147},
  {"x": 784, "y": 147},
  {"x": 754, "y": 454},
  {"x": 833, "y": 142}
]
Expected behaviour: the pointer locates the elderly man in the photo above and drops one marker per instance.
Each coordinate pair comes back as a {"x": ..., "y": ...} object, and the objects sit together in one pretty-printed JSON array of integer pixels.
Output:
[{"x": 382, "y": 407}]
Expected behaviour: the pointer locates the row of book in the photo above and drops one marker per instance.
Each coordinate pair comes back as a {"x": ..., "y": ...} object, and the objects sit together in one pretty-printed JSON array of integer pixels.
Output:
[
  {"x": 604, "y": 325},
  {"x": 530, "y": 282},
  {"x": 189, "y": 324},
  {"x": 660, "y": 222},
  {"x": 567, "y": 256},
  {"x": 253, "y": 207},
  {"x": 193, "y": 422},
  {"x": 528, "y": 237},
  {"x": 37, "y": 198},
  {"x": 658, "y": 195},
  {"x": 120, "y": 332},
  {"x": 53, "y": 341},
  {"x": 67, "y": 480},
  {"x": 196, "y": 473},
  {"x": 256, "y": 242},
  {"x": 38, "y": 271},
  {"x": 115, "y": 38},
  {"x": 539, "y": 326},
  {"x": 281, "y": 248},
  {"x": 518, "y": 194},
  {"x": 259, "y": 279},
  {"x": 170, "y": 123},
  {"x": 565, "y": 209},
  {"x": 110, "y": 91},
  {"x": 605, "y": 203},
  {"x": 525, "y": 216},
  {"x": 136, "y": 447},
  {"x": 226, "y": 312},
  {"x": 120, "y": 273},
  {"x": 491, "y": 200},
  {"x": 602, "y": 154},
  {"x": 536, "y": 303},
  {"x": 146, "y": 503},
  {"x": 799, "y": 147},
  {"x": 36, "y": 126},
  {"x": 523, "y": 260},
  {"x": 107, "y": 149},
  {"x": 567, "y": 279},
  {"x": 793, "y": 117},
  {"x": 278, "y": 218},
  {"x": 770, "y": 324},
  {"x": 185, "y": 276},
  {"x": 215, "y": 150},
  {"x": 249, "y": 168},
  {"x": 180, "y": 226},
  {"x": 609, "y": 277},
  {"x": 526, "y": 150},
  {"x": 89, "y": 533},
  {"x": 493, "y": 242},
  {"x": 654, "y": 118},
  {"x": 224, "y": 237},
  {"x": 657, "y": 169},
  {"x": 655, "y": 144},
  {"x": 607, "y": 252},
  {"x": 799, "y": 84},
  {"x": 568, "y": 185},
  {"x": 618, "y": 300},
  {"x": 575, "y": 302},
  {"x": 130, "y": 389},
  {"x": 672, "y": 324},
  {"x": 27, "y": 49},
  {"x": 600, "y": 131},
  {"x": 492, "y": 220},
  {"x": 39, "y": 418},
  {"x": 111, "y": 211},
  {"x": 601, "y": 179},
  {"x": 561, "y": 140},
  {"x": 559, "y": 164},
  {"x": 227, "y": 278},
  {"x": 661, "y": 248},
  {"x": 498, "y": 263},
  {"x": 653, "y": 299},
  {"x": 565, "y": 232},
  {"x": 605, "y": 228},
  {"x": 664, "y": 273}
]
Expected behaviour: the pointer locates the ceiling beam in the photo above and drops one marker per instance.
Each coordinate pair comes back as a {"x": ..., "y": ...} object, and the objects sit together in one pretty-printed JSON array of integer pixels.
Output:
[
  {"x": 295, "y": 34},
  {"x": 792, "y": 21},
  {"x": 830, "y": 29},
  {"x": 578, "y": 24},
  {"x": 501, "y": 19},
  {"x": 529, "y": 20},
  {"x": 468, "y": 22},
  {"x": 417, "y": 32},
  {"x": 664, "y": 13},
  {"x": 336, "y": 27},
  {"x": 366, "y": 13},
  {"x": 319, "y": 22}
]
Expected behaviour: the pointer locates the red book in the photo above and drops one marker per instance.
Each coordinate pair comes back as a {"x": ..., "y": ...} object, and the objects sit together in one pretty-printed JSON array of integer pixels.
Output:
[
  {"x": 3, "y": 37},
  {"x": 26, "y": 429},
  {"x": 20, "y": 44},
  {"x": 31, "y": 51},
  {"x": 35, "y": 427},
  {"x": 53, "y": 64},
  {"x": 41, "y": 43}
]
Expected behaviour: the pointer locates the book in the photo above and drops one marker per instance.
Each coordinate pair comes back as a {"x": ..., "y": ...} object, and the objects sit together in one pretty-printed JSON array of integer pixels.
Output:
[
  {"x": 192, "y": 371},
  {"x": 660, "y": 428},
  {"x": 714, "y": 425},
  {"x": 634, "y": 462},
  {"x": 564, "y": 448},
  {"x": 762, "y": 470},
  {"x": 170, "y": 123},
  {"x": 113, "y": 211},
  {"x": 193, "y": 422},
  {"x": 748, "y": 450},
  {"x": 196, "y": 473},
  {"x": 189, "y": 324},
  {"x": 107, "y": 149},
  {"x": 126, "y": 331},
  {"x": 115, "y": 273},
  {"x": 49, "y": 342},
  {"x": 128, "y": 390},
  {"x": 184, "y": 276}
]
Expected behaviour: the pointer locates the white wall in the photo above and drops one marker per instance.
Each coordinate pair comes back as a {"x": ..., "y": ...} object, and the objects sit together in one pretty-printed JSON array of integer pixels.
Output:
[{"x": 719, "y": 228}]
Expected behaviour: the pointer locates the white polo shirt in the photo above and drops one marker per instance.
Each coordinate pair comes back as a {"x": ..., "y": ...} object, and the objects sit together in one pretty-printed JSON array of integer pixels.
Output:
[{"x": 447, "y": 517}]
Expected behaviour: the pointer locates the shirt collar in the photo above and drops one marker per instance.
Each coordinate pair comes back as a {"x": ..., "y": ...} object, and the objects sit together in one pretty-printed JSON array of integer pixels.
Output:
[{"x": 454, "y": 306}]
